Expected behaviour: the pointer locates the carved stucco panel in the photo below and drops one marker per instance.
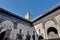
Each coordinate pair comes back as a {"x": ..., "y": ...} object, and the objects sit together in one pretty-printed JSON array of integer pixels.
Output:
[
  {"x": 58, "y": 22},
  {"x": 40, "y": 27},
  {"x": 49, "y": 24},
  {"x": 6, "y": 25}
]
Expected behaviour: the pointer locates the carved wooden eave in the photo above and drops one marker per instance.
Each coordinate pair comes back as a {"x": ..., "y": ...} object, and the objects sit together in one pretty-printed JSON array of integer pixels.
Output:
[
  {"x": 55, "y": 8},
  {"x": 50, "y": 11},
  {"x": 14, "y": 15}
]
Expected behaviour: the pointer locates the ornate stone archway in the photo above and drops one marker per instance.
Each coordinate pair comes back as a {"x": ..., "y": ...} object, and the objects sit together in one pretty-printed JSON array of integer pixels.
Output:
[
  {"x": 52, "y": 32},
  {"x": 6, "y": 26}
]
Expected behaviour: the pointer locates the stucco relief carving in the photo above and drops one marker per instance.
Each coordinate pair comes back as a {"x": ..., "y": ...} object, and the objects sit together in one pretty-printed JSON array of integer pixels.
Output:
[
  {"x": 52, "y": 32},
  {"x": 50, "y": 24},
  {"x": 58, "y": 19},
  {"x": 6, "y": 25},
  {"x": 50, "y": 19}
]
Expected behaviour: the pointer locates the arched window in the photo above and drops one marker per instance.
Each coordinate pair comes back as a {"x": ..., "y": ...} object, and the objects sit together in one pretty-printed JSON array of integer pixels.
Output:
[
  {"x": 20, "y": 32},
  {"x": 15, "y": 25},
  {"x": 40, "y": 37},
  {"x": 52, "y": 32}
]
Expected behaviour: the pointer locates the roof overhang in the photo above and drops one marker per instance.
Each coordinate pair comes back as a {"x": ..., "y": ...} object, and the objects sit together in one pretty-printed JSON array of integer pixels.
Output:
[
  {"x": 14, "y": 15},
  {"x": 55, "y": 8}
]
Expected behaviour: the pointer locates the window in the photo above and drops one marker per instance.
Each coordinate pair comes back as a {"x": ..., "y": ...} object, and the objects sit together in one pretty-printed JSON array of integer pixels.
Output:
[
  {"x": 15, "y": 25},
  {"x": 20, "y": 32}
]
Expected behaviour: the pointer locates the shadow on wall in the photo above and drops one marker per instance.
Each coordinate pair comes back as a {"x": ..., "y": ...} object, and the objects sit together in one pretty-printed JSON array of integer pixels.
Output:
[{"x": 2, "y": 35}]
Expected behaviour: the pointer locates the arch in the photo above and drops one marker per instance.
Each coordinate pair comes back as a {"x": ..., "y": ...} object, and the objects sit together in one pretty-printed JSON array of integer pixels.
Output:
[
  {"x": 52, "y": 29},
  {"x": 2, "y": 35},
  {"x": 6, "y": 25},
  {"x": 52, "y": 32},
  {"x": 49, "y": 24},
  {"x": 40, "y": 37}
]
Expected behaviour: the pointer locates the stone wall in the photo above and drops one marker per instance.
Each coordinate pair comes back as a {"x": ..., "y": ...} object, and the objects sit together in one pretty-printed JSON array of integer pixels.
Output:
[
  {"x": 51, "y": 20},
  {"x": 9, "y": 22}
]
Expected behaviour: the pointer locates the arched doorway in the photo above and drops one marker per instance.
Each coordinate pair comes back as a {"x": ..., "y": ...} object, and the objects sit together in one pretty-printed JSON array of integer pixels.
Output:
[
  {"x": 2, "y": 35},
  {"x": 40, "y": 38},
  {"x": 52, "y": 32}
]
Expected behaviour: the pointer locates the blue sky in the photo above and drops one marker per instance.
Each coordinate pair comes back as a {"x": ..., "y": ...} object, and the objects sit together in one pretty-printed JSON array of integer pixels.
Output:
[{"x": 35, "y": 7}]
